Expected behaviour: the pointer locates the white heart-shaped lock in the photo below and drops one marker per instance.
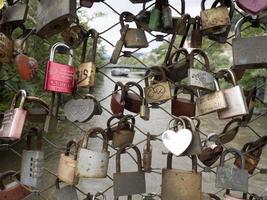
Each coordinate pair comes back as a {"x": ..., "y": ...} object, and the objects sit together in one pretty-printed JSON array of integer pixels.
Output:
[{"x": 177, "y": 142}]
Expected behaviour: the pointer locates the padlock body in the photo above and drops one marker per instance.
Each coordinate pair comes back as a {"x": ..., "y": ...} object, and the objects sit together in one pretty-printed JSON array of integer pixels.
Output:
[
  {"x": 92, "y": 164},
  {"x": 59, "y": 77},
  {"x": 156, "y": 93},
  {"x": 251, "y": 162},
  {"x": 179, "y": 184},
  {"x": 129, "y": 183},
  {"x": 201, "y": 79},
  {"x": 32, "y": 168},
  {"x": 178, "y": 71},
  {"x": 215, "y": 20},
  {"x": 236, "y": 103},
  {"x": 211, "y": 102},
  {"x": 122, "y": 137},
  {"x": 144, "y": 112},
  {"x": 183, "y": 107},
  {"x": 116, "y": 53},
  {"x": 196, "y": 39},
  {"x": 16, "y": 192},
  {"x": 135, "y": 38},
  {"x": 67, "y": 193},
  {"x": 117, "y": 105},
  {"x": 86, "y": 75},
  {"x": 6, "y": 49},
  {"x": 12, "y": 124},
  {"x": 243, "y": 56},
  {"x": 154, "y": 20},
  {"x": 15, "y": 14},
  {"x": 167, "y": 17},
  {"x": 133, "y": 102},
  {"x": 232, "y": 178},
  {"x": 66, "y": 170}
]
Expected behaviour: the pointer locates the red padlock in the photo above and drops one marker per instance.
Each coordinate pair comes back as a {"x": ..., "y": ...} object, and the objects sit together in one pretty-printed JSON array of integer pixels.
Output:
[{"x": 60, "y": 77}]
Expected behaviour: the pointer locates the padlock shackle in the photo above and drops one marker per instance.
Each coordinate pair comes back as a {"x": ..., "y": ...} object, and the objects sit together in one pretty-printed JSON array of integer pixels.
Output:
[
  {"x": 178, "y": 52},
  {"x": 23, "y": 95},
  {"x": 231, "y": 5},
  {"x": 235, "y": 152},
  {"x": 63, "y": 45},
  {"x": 184, "y": 88},
  {"x": 84, "y": 49},
  {"x": 240, "y": 23},
  {"x": 115, "y": 116},
  {"x": 6, "y": 175},
  {"x": 228, "y": 125},
  {"x": 200, "y": 52},
  {"x": 155, "y": 69},
  {"x": 122, "y": 86},
  {"x": 124, "y": 120},
  {"x": 68, "y": 148},
  {"x": 41, "y": 102},
  {"x": 194, "y": 162},
  {"x": 197, "y": 120},
  {"x": 126, "y": 15},
  {"x": 231, "y": 73},
  {"x": 132, "y": 83},
  {"x": 37, "y": 132},
  {"x": 99, "y": 194},
  {"x": 121, "y": 150},
  {"x": 94, "y": 34},
  {"x": 191, "y": 123},
  {"x": 92, "y": 131},
  {"x": 176, "y": 121}
]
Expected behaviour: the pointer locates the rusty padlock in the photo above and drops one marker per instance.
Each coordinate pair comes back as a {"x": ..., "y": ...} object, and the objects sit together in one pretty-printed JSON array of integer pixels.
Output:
[
  {"x": 36, "y": 114},
  {"x": 183, "y": 106},
  {"x": 185, "y": 185},
  {"x": 133, "y": 100},
  {"x": 117, "y": 103},
  {"x": 110, "y": 130},
  {"x": 128, "y": 183},
  {"x": 196, "y": 34}
]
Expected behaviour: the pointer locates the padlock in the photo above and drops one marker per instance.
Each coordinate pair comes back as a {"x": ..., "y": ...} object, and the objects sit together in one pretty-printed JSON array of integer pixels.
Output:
[
  {"x": 133, "y": 100},
  {"x": 14, "y": 118},
  {"x": 14, "y": 192},
  {"x": 117, "y": 103},
  {"x": 230, "y": 131},
  {"x": 88, "y": 3},
  {"x": 200, "y": 79},
  {"x": 27, "y": 67},
  {"x": 67, "y": 165},
  {"x": 15, "y": 14},
  {"x": 36, "y": 114},
  {"x": 147, "y": 155},
  {"x": 178, "y": 70},
  {"x": 183, "y": 106},
  {"x": 222, "y": 37},
  {"x": 196, "y": 34},
  {"x": 155, "y": 19},
  {"x": 212, "y": 102},
  {"x": 242, "y": 48},
  {"x": 128, "y": 183},
  {"x": 178, "y": 138},
  {"x": 67, "y": 192},
  {"x": 144, "y": 110},
  {"x": 231, "y": 177},
  {"x": 32, "y": 163},
  {"x": 253, "y": 8},
  {"x": 91, "y": 163},
  {"x": 82, "y": 109},
  {"x": 119, "y": 45},
  {"x": 134, "y": 38},
  {"x": 111, "y": 130},
  {"x": 125, "y": 132},
  {"x": 214, "y": 20},
  {"x": 51, "y": 21},
  {"x": 252, "y": 152},
  {"x": 59, "y": 77},
  {"x": 228, "y": 196},
  {"x": 185, "y": 185},
  {"x": 235, "y": 106},
  {"x": 157, "y": 92},
  {"x": 74, "y": 35},
  {"x": 195, "y": 146},
  {"x": 6, "y": 49},
  {"x": 166, "y": 17},
  {"x": 250, "y": 96},
  {"x": 51, "y": 118},
  {"x": 211, "y": 152},
  {"x": 87, "y": 70}
]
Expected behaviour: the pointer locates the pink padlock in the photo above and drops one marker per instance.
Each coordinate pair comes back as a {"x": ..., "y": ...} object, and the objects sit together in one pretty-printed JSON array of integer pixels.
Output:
[{"x": 14, "y": 118}]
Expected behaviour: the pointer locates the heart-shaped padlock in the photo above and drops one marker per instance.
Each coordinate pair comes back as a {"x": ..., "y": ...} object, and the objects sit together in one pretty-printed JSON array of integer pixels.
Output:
[
  {"x": 177, "y": 142},
  {"x": 254, "y": 7}
]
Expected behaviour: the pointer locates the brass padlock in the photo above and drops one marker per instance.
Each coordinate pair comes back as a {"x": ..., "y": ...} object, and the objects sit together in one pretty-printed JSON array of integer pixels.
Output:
[
  {"x": 183, "y": 106},
  {"x": 214, "y": 20},
  {"x": 159, "y": 91},
  {"x": 180, "y": 184},
  {"x": 134, "y": 38},
  {"x": 87, "y": 70}
]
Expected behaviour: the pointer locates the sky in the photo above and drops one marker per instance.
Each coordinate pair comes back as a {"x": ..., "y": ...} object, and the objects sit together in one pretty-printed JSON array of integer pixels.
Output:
[{"x": 102, "y": 23}]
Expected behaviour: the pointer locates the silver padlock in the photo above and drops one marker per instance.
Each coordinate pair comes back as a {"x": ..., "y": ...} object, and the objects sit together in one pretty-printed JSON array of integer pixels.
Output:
[
  {"x": 32, "y": 164},
  {"x": 90, "y": 163}
]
